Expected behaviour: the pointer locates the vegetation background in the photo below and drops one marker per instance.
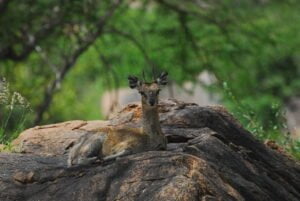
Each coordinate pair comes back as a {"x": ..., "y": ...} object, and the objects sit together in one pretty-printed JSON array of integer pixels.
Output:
[{"x": 58, "y": 57}]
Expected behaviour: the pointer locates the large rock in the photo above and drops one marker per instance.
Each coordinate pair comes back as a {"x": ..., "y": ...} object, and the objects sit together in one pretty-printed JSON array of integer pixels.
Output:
[
  {"x": 54, "y": 139},
  {"x": 209, "y": 157}
]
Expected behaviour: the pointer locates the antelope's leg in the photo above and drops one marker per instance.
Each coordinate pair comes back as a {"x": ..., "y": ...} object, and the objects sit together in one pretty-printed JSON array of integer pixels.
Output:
[
  {"x": 91, "y": 160},
  {"x": 114, "y": 156}
]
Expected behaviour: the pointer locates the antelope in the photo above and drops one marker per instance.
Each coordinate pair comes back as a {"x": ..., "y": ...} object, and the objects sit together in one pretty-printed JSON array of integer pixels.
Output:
[{"x": 113, "y": 142}]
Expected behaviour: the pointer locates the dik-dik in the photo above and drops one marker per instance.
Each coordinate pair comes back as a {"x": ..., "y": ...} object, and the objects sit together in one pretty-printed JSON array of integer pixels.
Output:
[{"x": 113, "y": 142}]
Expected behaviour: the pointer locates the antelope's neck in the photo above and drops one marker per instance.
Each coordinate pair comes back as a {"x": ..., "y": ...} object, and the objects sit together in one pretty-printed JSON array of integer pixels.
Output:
[{"x": 151, "y": 125}]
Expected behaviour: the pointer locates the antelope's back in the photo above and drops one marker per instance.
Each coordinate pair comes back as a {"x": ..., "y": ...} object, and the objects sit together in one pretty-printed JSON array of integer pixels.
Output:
[{"x": 124, "y": 138}]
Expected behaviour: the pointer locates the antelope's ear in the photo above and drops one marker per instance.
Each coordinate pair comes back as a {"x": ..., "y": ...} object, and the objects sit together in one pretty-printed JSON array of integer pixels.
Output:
[
  {"x": 133, "y": 82},
  {"x": 162, "y": 79}
]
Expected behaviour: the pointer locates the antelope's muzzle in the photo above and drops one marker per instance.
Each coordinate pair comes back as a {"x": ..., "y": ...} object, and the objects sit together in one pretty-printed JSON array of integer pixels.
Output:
[{"x": 152, "y": 102}]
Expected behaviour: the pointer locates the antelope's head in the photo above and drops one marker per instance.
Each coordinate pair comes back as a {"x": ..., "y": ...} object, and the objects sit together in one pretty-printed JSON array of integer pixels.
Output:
[{"x": 148, "y": 91}]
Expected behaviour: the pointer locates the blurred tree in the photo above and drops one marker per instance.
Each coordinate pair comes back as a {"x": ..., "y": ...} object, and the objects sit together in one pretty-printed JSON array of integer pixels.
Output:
[{"x": 59, "y": 31}]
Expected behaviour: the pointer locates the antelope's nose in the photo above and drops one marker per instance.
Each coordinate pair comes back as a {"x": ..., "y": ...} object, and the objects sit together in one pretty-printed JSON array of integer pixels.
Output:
[{"x": 151, "y": 102}]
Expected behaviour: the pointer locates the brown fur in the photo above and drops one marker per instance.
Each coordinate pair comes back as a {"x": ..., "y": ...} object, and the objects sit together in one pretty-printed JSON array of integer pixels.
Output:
[{"x": 124, "y": 138}]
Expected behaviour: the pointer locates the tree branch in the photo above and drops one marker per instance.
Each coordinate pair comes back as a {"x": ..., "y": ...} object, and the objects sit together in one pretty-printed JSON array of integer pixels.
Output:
[
  {"x": 129, "y": 37},
  {"x": 3, "y": 5},
  {"x": 32, "y": 40},
  {"x": 69, "y": 62}
]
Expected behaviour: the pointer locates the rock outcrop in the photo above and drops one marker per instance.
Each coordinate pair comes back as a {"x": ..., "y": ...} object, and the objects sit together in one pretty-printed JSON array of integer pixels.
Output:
[{"x": 210, "y": 157}]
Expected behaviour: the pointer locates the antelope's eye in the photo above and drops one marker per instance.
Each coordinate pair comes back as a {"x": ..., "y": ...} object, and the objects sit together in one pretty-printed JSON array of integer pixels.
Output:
[{"x": 142, "y": 93}]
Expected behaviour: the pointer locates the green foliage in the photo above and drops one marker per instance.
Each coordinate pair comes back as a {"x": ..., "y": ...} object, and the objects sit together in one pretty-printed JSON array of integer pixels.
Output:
[
  {"x": 274, "y": 128},
  {"x": 14, "y": 110}
]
